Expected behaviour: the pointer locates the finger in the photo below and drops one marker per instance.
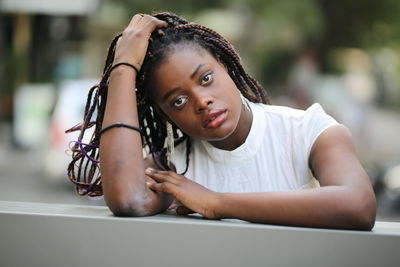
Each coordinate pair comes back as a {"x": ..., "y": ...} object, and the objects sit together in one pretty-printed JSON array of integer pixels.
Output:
[
  {"x": 150, "y": 180},
  {"x": 183, "y": 210},
  {"x": 150, "y": 170},
  {"x": 135, "y": 19},
  {"x": 161, "y": 176},
  {"x": 168, "y": 173},
  {"x": 160, "y": 187},
  {"x": 150, "y": 23}
]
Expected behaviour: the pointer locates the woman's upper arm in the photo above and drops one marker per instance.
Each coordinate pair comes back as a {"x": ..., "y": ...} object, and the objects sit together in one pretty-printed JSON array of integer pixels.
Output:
[
  {"x": 334, "y": 162},
  {"x": 333, "y": 159}
]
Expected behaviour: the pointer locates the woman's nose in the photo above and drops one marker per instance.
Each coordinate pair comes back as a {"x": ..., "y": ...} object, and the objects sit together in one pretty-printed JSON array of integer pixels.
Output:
[{"x": 203, "y": 102}]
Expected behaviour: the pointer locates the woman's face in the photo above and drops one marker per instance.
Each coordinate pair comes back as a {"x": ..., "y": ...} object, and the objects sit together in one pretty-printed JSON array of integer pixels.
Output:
[{"x": 195, "y": 91}]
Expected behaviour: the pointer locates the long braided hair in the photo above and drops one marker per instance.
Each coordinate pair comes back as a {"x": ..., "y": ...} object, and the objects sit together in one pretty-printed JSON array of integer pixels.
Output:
[{"x": 83, "y": 170}]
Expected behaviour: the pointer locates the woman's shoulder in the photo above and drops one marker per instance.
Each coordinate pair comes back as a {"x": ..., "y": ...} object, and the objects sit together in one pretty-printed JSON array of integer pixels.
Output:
[
  {"x": 310, "y": 122},
  {"x": 285, "y": 111}
]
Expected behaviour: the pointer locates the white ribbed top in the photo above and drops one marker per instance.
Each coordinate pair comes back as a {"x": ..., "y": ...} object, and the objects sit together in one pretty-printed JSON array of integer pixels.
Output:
[{"x": 274, "y": 156}]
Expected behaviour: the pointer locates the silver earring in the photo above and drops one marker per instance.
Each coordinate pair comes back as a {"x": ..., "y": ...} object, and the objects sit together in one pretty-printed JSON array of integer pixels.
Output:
[
  {"x": 245, "y": 102},
  {"x": 170, "y": 142}
]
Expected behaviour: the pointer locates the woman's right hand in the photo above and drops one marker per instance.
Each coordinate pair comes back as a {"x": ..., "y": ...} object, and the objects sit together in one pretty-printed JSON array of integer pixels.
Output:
[{"x": 132, "y": 46}]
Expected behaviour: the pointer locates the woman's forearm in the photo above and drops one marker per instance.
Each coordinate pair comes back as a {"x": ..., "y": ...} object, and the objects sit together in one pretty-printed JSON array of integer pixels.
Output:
[
  {"x": 122, "y": 164},
  {"x": 328, "y": 207},
  {"x": 121, "y": 159}
]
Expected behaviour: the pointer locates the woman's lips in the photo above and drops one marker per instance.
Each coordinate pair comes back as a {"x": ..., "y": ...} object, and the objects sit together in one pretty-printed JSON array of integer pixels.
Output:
[{"x": 214, "y": 119}]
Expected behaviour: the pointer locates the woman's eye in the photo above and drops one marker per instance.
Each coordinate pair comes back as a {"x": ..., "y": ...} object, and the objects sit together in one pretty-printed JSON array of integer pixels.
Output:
[
  {"x": 206, "y": 79},
  {"x": 180, "y": 101}
]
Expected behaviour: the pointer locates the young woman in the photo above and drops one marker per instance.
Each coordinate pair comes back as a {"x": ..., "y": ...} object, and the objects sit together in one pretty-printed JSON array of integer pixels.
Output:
[{"x": 169, "y": 83}]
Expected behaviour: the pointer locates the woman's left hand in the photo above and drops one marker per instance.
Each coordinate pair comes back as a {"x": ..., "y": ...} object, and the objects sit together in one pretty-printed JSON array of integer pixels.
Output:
[{"x": 192, "y": 195}]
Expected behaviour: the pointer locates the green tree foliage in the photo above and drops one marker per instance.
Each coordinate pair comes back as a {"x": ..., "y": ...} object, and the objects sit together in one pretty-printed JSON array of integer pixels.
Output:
[{"x": 281, "y": 29}]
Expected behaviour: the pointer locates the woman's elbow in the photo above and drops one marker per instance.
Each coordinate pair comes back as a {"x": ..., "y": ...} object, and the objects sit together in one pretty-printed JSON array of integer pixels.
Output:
[
  {"x": 127, "y": 210},
  {"x": 363, "y": 212},
  {"x": 129, "y": 206}
]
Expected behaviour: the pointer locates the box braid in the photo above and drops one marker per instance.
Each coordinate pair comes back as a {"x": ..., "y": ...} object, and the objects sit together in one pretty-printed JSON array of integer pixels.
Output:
[{"x": 83, "y": 170}]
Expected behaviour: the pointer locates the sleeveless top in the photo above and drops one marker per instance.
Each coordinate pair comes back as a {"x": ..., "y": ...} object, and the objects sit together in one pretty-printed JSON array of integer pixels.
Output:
[{"x": 274, "y": 156}]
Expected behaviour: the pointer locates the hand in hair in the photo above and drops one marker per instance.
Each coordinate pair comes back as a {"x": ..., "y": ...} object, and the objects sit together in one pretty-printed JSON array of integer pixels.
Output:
[
  {"x": 193, "y": 196},
  {"x": 132, "y": 45}
]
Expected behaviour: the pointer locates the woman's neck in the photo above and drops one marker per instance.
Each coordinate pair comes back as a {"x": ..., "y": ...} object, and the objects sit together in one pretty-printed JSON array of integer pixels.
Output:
[{"x": 239, "y": 135}]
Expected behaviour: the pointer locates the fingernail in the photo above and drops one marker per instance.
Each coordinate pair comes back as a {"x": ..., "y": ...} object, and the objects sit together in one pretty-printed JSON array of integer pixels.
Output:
[
  {"x": 148, "y": 184},
  {"x": 148, "y": 170}
]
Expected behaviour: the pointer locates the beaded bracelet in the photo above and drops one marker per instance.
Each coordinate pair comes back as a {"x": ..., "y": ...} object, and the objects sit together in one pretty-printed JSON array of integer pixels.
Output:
[{"x": 119, "y": 125}]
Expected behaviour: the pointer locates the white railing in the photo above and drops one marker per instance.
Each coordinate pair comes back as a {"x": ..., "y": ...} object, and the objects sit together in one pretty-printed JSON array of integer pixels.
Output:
[{"x": 40, "y": 234}]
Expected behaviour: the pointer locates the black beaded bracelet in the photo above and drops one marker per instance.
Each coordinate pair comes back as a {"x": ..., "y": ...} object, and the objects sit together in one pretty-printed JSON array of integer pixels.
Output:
[
  {"x": 119, "y": 125},
  {"x": 122, "y": 63}
]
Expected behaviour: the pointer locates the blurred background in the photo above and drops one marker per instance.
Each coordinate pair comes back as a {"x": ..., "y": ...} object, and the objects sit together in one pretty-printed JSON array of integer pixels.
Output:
[{"x": 343, "y": 54}]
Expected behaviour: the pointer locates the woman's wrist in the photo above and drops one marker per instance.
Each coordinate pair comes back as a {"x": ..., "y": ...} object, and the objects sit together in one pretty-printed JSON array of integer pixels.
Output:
[
  {"x": 123, "y": 63},
  {"x": 123, "y": 70},
  {"x": 123, "y": 75},
  {"x": 134, "y": 60},
  {"x": 217, "y": 206},
  {"x": 122, "y": 80}
]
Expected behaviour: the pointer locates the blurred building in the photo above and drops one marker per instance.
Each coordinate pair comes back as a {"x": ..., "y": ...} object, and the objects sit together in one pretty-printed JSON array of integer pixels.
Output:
[{"x": 40, "y": 40}]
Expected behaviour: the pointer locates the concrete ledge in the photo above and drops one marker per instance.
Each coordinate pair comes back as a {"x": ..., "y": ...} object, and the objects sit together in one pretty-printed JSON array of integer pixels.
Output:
[{"x": 40, "y": 234}]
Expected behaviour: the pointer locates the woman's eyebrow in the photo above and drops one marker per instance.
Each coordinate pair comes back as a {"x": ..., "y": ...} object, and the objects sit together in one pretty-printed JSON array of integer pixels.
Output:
[
  {"x": 172, "y": 91},
  {"x": 169, "y": 93},
  {"x": 196, "y": 70}
]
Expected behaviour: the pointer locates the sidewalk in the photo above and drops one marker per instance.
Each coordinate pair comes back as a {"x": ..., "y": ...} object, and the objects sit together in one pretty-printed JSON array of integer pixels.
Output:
[{"x": 22, "y": 177}]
